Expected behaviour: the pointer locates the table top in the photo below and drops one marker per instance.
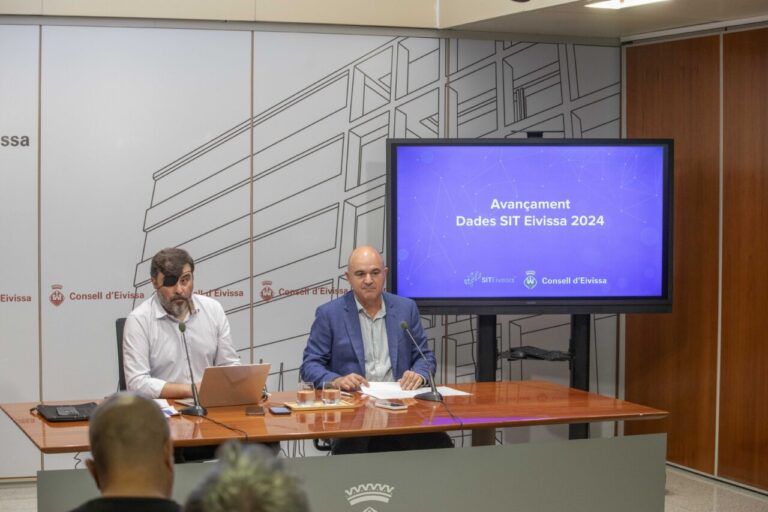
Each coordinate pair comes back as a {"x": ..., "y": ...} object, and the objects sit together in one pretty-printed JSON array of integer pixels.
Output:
[{"x": 490, "y": 405}]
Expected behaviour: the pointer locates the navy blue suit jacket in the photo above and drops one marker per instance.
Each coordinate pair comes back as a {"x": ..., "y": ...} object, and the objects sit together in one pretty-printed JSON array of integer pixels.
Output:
[{"x": 335, "y": 344}]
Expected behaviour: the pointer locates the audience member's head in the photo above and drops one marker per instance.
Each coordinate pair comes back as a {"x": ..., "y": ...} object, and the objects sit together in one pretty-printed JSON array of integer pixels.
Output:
[
  {"x": 248, "y": 478},
  {"x": 131, "y": 448}
]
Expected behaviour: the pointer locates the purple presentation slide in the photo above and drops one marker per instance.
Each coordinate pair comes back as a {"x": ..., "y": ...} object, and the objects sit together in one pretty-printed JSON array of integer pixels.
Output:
[{"x": 529, "y": 221}]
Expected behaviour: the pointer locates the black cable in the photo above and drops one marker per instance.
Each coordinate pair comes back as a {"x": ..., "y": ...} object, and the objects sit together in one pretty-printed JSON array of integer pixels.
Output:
[
  {"x": 233, "y": 429},
  {"x": 77, "y": 459},
  {"x": 453, "y": 416},
  {"x": 457, "y": 419}
]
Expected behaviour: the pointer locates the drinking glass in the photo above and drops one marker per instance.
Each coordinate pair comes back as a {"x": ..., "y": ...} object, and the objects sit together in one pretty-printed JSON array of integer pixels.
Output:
[
  {"x": 306, "y": 394},
  {"x": 331, "y": 394}
]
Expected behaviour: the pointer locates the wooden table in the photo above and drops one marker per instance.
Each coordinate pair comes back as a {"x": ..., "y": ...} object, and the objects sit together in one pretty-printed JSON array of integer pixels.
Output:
[{"x": 490, "y": 405}]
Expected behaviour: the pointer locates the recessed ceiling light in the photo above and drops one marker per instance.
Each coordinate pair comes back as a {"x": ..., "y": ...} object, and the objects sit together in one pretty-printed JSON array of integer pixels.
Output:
[{"x": 621, "y": 4}]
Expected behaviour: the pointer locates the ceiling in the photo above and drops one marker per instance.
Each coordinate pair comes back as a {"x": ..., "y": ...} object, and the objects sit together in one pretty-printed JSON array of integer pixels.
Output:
[{"x": 573, "y": 19}]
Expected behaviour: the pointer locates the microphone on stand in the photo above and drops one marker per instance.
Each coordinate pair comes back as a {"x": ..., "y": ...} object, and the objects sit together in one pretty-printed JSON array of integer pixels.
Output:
[
  {"x": 197, "y": 409},
  {"x": 434, "y": 395}
]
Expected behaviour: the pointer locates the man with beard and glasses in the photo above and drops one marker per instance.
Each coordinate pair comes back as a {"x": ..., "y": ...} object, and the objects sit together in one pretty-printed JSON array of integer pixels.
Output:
[{"x": 155, "y": 361}]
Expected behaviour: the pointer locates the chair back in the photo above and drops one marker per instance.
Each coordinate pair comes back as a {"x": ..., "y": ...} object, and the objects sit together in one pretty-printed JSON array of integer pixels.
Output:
[{"x": 119, "y": 325}]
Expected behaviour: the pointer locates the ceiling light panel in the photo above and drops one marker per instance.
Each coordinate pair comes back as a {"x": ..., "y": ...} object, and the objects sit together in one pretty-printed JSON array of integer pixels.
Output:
[{"x": 621, "y": 4}]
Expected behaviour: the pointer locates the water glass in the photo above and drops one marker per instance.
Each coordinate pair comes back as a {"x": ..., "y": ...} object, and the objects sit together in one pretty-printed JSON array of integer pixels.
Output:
[
  {"x": 331, "y": 394},
  {"x": 305, "y": 395}
]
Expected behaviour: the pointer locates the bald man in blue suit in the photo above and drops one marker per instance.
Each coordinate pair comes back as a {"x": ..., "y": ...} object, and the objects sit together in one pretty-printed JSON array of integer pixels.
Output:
[
  {"x": 335, "y": 350},
  {"x": 358, "y": 337}
]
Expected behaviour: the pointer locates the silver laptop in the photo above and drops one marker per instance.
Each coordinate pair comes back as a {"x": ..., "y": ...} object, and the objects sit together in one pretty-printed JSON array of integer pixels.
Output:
[{"x": 231, "y": 385}]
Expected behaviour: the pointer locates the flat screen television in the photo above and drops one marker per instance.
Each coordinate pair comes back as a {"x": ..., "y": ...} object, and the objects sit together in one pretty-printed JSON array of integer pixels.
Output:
[{"x": 494, "y": 226}]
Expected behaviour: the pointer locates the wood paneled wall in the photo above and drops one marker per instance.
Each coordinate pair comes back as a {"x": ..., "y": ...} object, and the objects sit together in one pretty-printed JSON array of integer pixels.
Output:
[
  {"x": 673, "y": 91},
  {"x": 743, "y": 450}
]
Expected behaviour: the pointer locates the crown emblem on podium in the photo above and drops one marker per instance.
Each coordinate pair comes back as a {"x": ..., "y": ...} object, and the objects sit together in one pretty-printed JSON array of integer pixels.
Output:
[{"x": 369, "y": 492}]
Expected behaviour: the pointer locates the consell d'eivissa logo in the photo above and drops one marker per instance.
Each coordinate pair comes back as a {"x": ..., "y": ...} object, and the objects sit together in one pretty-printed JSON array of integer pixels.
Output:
[
  {"x": 269, "y": 291},
  {"x": 530, "y": 281},
  {"x": 58, "y": 295}
]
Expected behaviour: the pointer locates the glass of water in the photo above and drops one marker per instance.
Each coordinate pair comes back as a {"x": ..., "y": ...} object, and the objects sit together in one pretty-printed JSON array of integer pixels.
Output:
[
  {"x": 306, "y": 394},
  {"x": 331, "y": 394}
]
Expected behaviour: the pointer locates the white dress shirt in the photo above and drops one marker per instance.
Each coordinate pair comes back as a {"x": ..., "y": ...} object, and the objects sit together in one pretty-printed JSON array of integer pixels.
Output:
[
  {"x": 153, "y": 350},
  {"x": 378, "y": 365}
]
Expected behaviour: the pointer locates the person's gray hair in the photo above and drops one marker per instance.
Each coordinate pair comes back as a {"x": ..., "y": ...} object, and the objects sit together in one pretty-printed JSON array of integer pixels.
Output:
[{"x": 248, "y": 478}]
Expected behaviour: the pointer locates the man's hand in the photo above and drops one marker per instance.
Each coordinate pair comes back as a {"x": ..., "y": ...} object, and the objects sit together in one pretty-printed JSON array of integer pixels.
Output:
[
  {"x": 351, "y": 382},
  {"x": 411, "y": 380}
]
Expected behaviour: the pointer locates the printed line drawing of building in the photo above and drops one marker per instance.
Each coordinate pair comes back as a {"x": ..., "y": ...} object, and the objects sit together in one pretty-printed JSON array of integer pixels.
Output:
[{"x": 281, "y": 199}]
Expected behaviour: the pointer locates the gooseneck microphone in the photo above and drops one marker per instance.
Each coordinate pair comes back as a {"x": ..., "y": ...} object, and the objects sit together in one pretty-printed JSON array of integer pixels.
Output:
[
  {"x": 197, "y": 409},
  {"x": 434, "y": 395}
]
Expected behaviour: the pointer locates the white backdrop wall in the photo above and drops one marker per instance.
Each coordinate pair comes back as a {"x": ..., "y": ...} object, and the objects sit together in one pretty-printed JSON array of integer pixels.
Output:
[
  {"x": 19, "y": 327},
  {"x": 262, "y": 153}
]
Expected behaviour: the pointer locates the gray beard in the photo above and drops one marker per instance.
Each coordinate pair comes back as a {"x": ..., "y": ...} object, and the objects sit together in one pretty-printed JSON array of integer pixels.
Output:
[{"x": 176, "y": 309}]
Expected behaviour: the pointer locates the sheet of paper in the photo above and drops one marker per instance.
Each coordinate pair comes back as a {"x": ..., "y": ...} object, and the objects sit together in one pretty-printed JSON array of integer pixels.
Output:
[
  {"x": 390, "y": 390},
  {"x": 167, "y": 408}
]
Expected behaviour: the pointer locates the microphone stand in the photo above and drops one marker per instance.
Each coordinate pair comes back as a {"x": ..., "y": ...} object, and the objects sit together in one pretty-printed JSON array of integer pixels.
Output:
[
  {"x": 431, "y": 396},
  {"x": 197, "y": 409}
]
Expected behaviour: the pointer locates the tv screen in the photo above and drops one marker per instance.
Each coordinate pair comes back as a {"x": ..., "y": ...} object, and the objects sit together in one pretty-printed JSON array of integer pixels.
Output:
[{"x": 530, "y": 225}]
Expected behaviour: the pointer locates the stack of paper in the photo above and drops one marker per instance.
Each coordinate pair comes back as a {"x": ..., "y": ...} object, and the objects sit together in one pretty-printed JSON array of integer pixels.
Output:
[{"x": 390, "y": 390}]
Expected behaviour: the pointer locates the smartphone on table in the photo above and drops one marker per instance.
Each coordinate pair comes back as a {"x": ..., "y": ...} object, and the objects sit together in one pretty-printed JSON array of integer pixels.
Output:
[{"x": 393, "y": 405}]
